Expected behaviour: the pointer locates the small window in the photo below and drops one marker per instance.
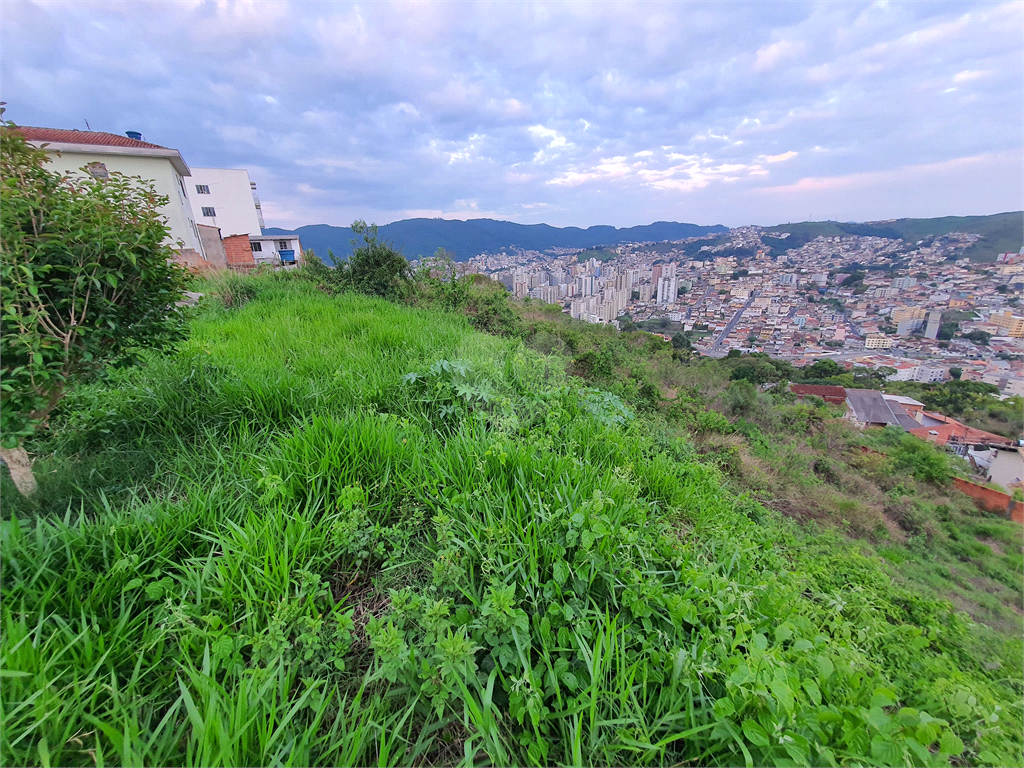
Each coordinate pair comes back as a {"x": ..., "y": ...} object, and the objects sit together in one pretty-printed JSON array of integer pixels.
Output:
[
  {"x": 97, "y": 170},
  {"x": 203, "y": 189},
  {"x": 209, "y": 211},
  {"x": 256, "y": 247},
  {"x": 283, "y": 245}
]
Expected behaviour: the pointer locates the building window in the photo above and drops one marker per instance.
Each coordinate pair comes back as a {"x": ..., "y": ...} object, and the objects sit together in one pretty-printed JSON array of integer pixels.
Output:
[
  {"x": 209, "y": 211},
  {"x": 282, "y": 245},
  {"x": 97, "y": 170},
  {"x": 256, "y": 247},
  {"x": 203, "y": 189}
]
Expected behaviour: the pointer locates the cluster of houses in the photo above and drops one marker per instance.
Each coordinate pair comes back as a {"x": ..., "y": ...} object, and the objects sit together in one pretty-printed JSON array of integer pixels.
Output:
[
  {"x": 999, "y": 459},
  {"x": 213, "y": 214}
]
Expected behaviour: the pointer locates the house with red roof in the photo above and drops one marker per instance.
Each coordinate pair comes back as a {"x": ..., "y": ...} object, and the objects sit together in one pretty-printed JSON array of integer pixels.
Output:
[
  {"x": 99, "y": 154},
  {"x": 945, "y": 430},
  {"x": 830, "y": 394}
]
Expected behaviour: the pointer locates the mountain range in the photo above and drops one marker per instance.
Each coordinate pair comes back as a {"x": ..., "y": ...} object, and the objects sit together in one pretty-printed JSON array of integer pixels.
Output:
[{"x": 417, "y": 238}]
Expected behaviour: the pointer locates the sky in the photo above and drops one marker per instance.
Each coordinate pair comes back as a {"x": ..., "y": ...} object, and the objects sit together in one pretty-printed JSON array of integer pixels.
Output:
[{"x": 567, "y": 113}]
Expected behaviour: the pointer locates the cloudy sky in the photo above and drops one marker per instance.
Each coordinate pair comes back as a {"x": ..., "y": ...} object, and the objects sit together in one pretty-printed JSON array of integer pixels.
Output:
[{"x": 566, "y": 113}]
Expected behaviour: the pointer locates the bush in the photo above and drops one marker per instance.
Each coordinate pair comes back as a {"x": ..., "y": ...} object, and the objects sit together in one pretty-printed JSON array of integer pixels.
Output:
[{"x": 921, "y": 460}]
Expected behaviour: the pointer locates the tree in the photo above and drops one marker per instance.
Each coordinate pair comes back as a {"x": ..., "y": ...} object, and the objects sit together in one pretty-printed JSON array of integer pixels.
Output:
[
  {"x": 86, "y": 277},
  {"x": 438, "y": 278},
  {"x": 822, "y": 369},
  {"x": 978, "y": 337},
  {"x": 375, "y": 267},
  {"x": 956, "y": 372},
  {"x": 740, "y": 396},
  {"x": 853, "y": 278},
  {"x": 681, "y": 341}
]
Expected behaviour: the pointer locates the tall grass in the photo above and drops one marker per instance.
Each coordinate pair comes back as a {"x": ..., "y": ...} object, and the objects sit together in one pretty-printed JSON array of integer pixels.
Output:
[{"x": 325, "y": 560}]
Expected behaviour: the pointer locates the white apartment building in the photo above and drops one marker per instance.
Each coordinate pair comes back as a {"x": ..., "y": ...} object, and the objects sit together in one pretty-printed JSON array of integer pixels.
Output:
[
  {"x": 104, "y": 153},
  {"x": 224, "y": 197},
  {"x": 668, "y": 290},
  {"x": 903, "y": 283},
  {"x": 929, "y": 375},
  {"x": 877, "y": 341}
]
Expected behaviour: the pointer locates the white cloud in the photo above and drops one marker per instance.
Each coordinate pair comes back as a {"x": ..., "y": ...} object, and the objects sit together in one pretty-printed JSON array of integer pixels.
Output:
[
  {"x": 771, "y": 55},
  {"x": 779, "y": 158}
]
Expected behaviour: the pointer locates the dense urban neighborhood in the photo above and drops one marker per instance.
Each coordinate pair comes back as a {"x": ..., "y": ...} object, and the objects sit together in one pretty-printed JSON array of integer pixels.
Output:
[{"x": 921, "y": 308}]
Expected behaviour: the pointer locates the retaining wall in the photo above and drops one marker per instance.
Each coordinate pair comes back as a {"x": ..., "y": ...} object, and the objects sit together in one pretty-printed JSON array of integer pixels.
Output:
[{"x": 992, "y": 500}]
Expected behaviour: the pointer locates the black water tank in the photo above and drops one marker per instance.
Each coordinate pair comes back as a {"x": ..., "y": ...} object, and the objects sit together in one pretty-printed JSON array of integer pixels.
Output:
[{"x": 133, "y": 135}]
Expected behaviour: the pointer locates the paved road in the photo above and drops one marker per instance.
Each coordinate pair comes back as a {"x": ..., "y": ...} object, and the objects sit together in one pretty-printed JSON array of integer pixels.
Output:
[{"x": 733, "y": 322}]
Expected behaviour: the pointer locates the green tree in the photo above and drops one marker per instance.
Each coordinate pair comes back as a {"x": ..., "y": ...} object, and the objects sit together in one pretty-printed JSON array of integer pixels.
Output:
[
  {"x": 86, "y": 278},
  {"x": 822, "y": 369},
  {"x": 978, "y": 337},
  {"x": 682, "y": 341},
  {"x": 740, "y": 396},
  {"x": 375, "y": 267},
  {"x": 439, "y": 282},
  {"x": 956, "y": 372}
]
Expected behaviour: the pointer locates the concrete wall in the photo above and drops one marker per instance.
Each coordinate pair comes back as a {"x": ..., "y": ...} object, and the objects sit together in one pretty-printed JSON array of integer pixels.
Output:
[
  {"x": 213, "y": 245},
  {"x": 159, "y": 170},
  {"x": 230, "y": 197}
]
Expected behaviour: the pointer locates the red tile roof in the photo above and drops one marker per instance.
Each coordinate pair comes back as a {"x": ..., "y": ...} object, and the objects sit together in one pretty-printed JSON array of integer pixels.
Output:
[
  {"x": 830, "y": 394},
  {"x": 954, "y": 429},
  {"x": 94, "y": 138}
]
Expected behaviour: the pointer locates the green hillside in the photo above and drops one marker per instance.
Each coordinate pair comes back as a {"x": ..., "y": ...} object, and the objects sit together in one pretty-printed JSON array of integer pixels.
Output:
[{"x": 333, "y": 530}]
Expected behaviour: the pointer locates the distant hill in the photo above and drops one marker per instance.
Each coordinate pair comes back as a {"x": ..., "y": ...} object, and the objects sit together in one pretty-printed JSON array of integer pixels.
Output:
[
  {"x": 464, "y": 239},
  {"x": 1000, "y": 232}
]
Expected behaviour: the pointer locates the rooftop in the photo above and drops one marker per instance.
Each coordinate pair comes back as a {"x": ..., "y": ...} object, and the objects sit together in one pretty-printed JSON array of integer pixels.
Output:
[
  {"x": 92, "y": 138},
  {"x": 100, "y": 142}
]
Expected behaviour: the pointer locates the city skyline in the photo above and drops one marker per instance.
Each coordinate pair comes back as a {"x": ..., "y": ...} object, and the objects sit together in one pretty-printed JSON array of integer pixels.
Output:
[{"x": 569, "y": 115}]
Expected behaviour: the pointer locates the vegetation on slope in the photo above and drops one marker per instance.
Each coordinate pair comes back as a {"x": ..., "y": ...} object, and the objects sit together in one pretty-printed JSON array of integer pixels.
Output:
[
  {"x": 335, "y": 530},
  {"x": 1000, "y": 232}
]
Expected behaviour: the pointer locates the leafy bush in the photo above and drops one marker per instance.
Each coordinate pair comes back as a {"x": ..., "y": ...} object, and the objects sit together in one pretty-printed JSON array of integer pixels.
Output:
[
  {"x": 86, "y": 277},
  {"x": 921, "y": 460}
]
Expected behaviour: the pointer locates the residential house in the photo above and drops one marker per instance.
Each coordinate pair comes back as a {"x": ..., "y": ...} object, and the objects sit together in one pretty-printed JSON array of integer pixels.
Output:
[
  {"x": 830, "y": 394},
  {"x": 912, "y": 407},
  {"x": 868, "y": 408},
  {"x": 101, "y": 154},
  {"x": 947, "y": 431},
  {"x": 278, "y": 250}
]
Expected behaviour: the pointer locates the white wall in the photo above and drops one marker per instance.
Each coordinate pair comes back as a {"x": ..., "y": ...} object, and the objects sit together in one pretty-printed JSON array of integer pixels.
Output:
[
  {"x": 268, "y": 252},
  {"x": 230, "y": 197},
  {"x": 159, "y": 170}
]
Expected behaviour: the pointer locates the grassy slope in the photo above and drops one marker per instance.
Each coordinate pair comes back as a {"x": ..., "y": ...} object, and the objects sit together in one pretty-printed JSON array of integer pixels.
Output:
[
  {"x": 276, "y": 546},
  {"x": 809, "y": 465}
]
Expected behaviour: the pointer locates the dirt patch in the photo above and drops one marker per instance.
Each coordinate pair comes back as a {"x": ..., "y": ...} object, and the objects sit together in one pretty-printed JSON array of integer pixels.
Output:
[
  {"x": 992, "y": 544},
  {"x": 896, "y": 533},
  {"x": 357, "y": 592}
]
